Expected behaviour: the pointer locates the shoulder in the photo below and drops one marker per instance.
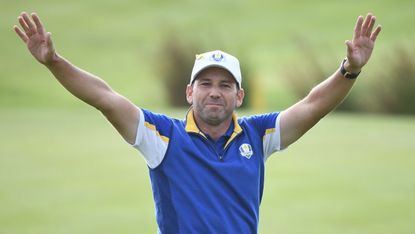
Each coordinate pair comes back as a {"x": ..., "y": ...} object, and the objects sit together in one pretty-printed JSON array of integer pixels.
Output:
[
  {"x": 266, "y": 120},
  {"x": 157, "y": 122}
]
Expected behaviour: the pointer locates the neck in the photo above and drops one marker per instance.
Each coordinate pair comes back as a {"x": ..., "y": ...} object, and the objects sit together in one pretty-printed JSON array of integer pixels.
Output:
[{"x": 214, "y": 131}]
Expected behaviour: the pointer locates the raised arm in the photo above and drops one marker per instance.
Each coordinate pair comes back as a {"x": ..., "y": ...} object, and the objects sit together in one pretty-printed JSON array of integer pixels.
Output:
[
  {"x": 299, "y": 118},
  {"x": 122, "y": 114}
]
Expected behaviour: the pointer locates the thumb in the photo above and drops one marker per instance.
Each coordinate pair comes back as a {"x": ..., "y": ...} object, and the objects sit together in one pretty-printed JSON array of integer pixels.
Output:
[
  {"x": 349, "y": 45},
  {"x": 49, "y": 40}
]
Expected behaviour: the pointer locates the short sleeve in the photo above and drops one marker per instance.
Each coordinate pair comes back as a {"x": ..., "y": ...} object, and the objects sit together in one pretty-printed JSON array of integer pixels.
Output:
[
  {"x": 152, "y": 138},
  {"x": 268, "y": 127},
  {"x": 272, "y": 139}
]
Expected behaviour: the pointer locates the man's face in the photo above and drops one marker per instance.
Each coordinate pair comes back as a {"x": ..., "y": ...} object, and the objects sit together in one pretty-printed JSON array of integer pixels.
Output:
[{"x": 214, "y": 96}]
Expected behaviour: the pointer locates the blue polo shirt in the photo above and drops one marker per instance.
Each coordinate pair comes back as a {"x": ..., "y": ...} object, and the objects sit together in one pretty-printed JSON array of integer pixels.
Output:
[
  {"x": 202, "y": 186},
  {"x": 220, "y": 143}
]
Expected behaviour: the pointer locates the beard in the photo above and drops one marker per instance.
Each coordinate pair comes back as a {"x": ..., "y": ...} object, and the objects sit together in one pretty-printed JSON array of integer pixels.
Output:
[{"x": 213, "y": 116}]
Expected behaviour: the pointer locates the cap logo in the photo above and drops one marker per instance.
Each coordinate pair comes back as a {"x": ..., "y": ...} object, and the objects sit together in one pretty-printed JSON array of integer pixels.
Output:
[{"x": 217, "y": 57}]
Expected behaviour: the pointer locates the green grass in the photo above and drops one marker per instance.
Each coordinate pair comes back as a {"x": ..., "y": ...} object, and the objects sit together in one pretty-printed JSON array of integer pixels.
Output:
[
  {"x": 64, "y": 170},
  {"x": 67, "y": 171}
]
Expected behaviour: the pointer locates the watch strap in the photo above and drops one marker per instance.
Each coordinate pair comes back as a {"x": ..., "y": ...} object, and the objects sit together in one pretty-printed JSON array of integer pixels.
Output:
[{"x": 347, "y": 74}]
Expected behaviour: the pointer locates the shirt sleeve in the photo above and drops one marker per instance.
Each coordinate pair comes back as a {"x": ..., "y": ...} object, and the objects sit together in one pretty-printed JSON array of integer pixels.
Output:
[
  {"x": 152, "y": 138},
  {"x": 268, "y": 127},
  {"x": 272, "y": 138}
]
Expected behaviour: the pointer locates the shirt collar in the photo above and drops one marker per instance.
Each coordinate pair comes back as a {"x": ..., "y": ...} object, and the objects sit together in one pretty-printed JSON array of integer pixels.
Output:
[
  {"x": 191, "y": 126},
  {"x": 229, "y": 132}
]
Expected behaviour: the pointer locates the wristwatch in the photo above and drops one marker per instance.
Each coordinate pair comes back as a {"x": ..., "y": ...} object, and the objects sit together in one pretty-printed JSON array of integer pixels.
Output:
[{"x": 347, "y": 74}]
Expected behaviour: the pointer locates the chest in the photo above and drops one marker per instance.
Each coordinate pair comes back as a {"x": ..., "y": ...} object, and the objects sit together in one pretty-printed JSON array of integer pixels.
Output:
[{"x": 241, "y": 158}]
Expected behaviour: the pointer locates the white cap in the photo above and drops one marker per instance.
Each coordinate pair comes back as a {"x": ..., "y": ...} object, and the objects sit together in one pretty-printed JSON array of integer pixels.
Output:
[{"x": 220, "y": 59}]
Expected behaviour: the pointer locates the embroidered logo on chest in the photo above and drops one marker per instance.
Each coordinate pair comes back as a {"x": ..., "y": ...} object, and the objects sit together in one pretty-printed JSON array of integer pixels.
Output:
[{"x": 246, "y": 150}]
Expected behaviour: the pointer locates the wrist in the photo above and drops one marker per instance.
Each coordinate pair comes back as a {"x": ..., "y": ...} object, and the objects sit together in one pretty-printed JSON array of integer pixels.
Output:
[
  {"x": 349, "y": 71},
  {"x": 55, "y": 59},
  {"x": 349, "y": 68}
]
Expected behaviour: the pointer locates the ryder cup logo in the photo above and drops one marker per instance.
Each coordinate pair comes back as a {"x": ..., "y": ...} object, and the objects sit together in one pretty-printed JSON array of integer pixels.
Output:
[
  {"x": 246, "y": 150},
  {"x": 217, "y": 57}
]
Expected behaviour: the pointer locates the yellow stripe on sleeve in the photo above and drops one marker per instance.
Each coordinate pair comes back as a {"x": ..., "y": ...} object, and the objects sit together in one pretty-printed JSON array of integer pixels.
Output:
[
  {"x": 153, "y": 127},
  {"x": 268, "y": 131}
]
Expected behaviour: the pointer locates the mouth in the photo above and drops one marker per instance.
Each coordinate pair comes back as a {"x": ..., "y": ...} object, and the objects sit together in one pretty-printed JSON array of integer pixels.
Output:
[{"x": 214, "y": 104}]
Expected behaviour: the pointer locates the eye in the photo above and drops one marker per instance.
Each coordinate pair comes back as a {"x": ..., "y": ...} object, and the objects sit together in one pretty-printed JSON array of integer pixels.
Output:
[
  {"x": 205, "y": 84},
  {"x": 226, "y": 85}
]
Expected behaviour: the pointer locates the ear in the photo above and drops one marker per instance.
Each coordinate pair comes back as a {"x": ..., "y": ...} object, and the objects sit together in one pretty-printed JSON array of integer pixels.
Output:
[
  {"x": 189, "y": 94},
  {"x": 240, "y": 97}
]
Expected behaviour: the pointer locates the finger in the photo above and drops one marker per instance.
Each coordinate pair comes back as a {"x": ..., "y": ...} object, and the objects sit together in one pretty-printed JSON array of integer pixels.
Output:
[
  {"x": 366, "y": 24},
  {"x": 375, "y": 34},
  {"x": 370, "y": 26},
  {"x": 21, "y": 34},
  {"x": 30, "y": 24},
  {"x": 38, "y": 23},
  {"x": 358, "y": 27},
  {"x": 23, "y": 24}
]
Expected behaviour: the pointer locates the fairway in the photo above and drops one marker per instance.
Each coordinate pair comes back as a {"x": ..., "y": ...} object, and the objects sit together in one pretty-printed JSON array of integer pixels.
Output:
[{"x": 66, "y": 171}]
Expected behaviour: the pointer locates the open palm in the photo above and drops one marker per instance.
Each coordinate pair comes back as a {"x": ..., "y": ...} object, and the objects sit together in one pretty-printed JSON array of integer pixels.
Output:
[
  {"x": 34, "y": 36},
  {"x": 360, "y": 48}
]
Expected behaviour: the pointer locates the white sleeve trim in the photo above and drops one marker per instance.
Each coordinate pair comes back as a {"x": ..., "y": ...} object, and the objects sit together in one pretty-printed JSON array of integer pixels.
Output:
[
  {"x": 272, "y": 139},
  {"x": 149, "y": 143},
  {"x": 140, "y": 128}
]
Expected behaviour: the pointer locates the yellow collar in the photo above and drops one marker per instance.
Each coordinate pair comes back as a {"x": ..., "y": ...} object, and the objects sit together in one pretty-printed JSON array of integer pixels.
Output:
[{"x": 192, "y": 127}]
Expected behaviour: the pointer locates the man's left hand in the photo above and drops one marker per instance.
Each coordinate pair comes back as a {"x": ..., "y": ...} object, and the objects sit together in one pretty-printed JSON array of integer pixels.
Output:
[{"x": 361, "y": 46}]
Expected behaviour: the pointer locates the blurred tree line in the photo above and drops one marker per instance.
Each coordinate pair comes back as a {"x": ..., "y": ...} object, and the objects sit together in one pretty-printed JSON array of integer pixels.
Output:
[{"x": 391, "y": 89}]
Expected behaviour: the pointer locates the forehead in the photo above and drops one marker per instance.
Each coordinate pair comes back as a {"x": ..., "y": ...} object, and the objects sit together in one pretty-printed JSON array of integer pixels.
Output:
[{"x": 216, "y": 73}]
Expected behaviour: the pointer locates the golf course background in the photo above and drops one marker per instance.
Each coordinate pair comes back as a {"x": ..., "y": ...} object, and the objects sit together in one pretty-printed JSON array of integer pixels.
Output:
[{"x": 63, "y": 168}]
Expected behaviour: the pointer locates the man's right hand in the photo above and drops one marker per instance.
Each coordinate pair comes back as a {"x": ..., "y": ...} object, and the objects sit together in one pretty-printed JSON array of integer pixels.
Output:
[
  {"x": 34, "y": 36},
  {"x": 122, "y": 113}
]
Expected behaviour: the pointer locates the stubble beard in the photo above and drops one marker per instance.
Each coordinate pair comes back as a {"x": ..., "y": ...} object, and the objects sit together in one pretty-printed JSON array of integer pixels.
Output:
[{"x": 213, "y": 118}]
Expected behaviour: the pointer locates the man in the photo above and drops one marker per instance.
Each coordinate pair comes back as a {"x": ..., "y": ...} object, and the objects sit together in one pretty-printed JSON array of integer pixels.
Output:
[{"x": 207, "y": 171}]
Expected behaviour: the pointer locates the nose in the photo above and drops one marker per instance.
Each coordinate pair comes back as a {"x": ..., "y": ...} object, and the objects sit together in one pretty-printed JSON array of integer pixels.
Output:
[{"x": 214, "y": 93}]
